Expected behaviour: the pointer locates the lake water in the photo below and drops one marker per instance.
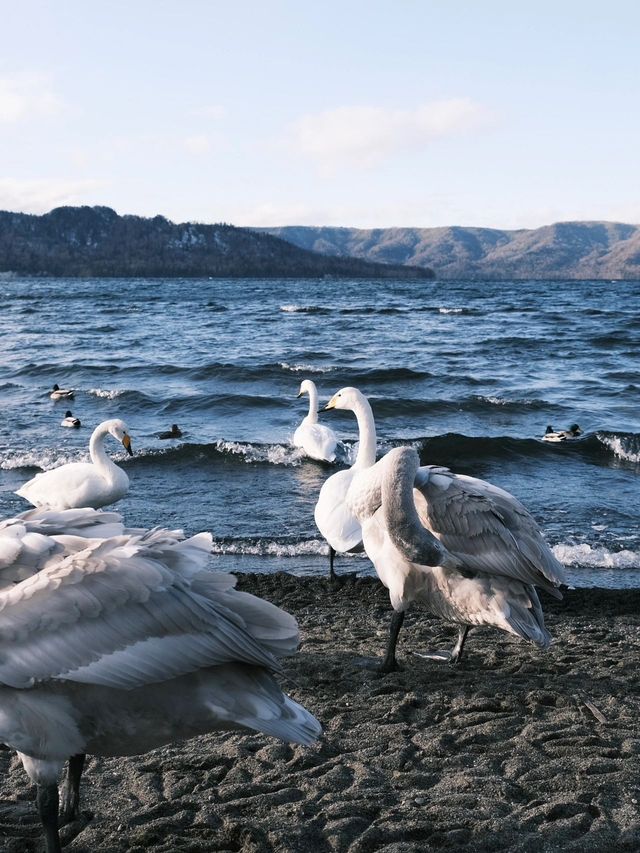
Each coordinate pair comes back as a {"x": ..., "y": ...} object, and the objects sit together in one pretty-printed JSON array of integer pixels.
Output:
[{"x": 469, "y": 373}]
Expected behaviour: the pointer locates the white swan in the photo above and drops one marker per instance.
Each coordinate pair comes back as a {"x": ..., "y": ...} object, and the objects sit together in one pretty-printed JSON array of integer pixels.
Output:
[
  {"x": 317, "y": 440},
  {"x": 334, "y": 520},
  {"x": 482, "y": 552},
  {"x": 83, "y": 484},
  {"x": 58, "y": 393},
  {"x": 69, "y": 421},
  {"x": 119, "y": 645}
]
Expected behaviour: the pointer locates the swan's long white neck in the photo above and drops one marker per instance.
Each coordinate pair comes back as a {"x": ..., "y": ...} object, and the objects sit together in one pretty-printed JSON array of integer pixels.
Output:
[
  {"x": 98, "y": 454},
  {"x": 367, "y": 443},
  {"x": 312, "y": 417}
]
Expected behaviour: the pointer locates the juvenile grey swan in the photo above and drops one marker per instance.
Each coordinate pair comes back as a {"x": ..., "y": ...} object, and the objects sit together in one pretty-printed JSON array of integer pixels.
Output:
[
  {"x": 466, "y": 550},
  {"x": 118, "y": 645}
]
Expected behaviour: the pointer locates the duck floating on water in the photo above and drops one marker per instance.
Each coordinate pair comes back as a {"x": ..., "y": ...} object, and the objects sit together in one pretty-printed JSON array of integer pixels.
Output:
[
  {"x": 174, "y": 432},
  {"x": 570, "y": 434},
  {"x": 62, "y": 393},
  {"x": 70, "y": 421}
]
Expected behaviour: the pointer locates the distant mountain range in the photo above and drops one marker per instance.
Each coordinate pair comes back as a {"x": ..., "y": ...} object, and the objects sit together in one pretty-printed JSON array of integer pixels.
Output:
[
  {"x": 566, "y": 250},
  {"x": 96, "y": 241}
]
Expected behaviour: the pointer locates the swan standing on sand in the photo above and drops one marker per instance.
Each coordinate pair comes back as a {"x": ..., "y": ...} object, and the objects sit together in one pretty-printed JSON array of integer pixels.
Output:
[
  {"x": 334, "y": 520},
  {"x": 83, "y": 484},
  {"x": 465, "y": 549},
  {"x": 62, "y": 393},
  {"x": 317, "y": 440},
  {"x": 119, "y": 645}
]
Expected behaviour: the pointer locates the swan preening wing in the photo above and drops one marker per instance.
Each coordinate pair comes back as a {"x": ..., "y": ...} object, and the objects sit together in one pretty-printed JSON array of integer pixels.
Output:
[
  {"x": 486, "y": 528},
  {"x": 401, "y": 520},
  {"x": 134, "y": 610}
]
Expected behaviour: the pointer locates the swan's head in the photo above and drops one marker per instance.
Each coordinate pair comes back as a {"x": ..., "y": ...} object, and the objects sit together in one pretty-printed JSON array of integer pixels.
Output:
[
  {"x": 306, "y": 387},
  {"x": 346, "y": 398},
  {"x": 120, "y": 432}
]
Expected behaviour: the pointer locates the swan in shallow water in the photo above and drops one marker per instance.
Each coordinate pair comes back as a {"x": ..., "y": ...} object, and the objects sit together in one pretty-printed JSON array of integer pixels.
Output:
[
  {"x": 69, "y": 421},
  {"x": 334, "y": 520},
  {"x": 465, "y": 549},
  {"x": 118, "y": 645},
  {"x": 58, "y": 393},
  {"x": 317, "y": 440},
  {"x": 83, "y": 484}
]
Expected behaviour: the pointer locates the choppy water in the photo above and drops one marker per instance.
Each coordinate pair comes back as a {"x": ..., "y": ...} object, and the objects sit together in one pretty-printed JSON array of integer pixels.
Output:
[{"x": 470, "y": 373}]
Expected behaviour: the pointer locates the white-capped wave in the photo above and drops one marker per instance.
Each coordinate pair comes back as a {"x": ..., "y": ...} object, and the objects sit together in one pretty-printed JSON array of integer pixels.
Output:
[
  {"x": 450, "y": 310},
  {"x": 276, "y": 454},
  {"x": 269, "y": 548},
  {"x": 106, "y": 393},
  {"x": 292, "y": 309},
  {"x": 46, "y": 459},
  {"x": 303, "y": 368},
  {"x": 621, "y": 448},
  {"x": 598, "y": 557}
]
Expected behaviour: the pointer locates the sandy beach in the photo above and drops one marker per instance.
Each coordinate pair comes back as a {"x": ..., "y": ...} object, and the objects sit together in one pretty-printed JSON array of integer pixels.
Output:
[{"x": 515, "y": 750}]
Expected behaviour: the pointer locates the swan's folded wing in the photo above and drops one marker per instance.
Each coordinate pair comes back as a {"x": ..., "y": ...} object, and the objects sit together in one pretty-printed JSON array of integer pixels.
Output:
[
  {"x": 485, "y": 527},
  {"x": 39, "y": 538},
  {"x": 334, "y": 519},
  {"x": 114, "y": 615}
]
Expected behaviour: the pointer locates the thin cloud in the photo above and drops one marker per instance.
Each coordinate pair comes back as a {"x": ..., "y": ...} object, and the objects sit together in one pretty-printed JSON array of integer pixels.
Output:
[
  {"x": 40, "y": 196},
  {"x": 211, "y": 111},
  {"x": 197, "y": 144},
  {"x": 363, "y": 135},
  {"x": 25, "y": 96}
]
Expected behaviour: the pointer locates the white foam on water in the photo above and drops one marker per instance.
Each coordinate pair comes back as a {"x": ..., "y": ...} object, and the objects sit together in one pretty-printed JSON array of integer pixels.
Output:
[
  {"x": 450, "y": 310},
  {"x": 269, "y": 548},
  {"x": 619, "y": 448},
  {"x": 303, "y": 368},
  {"x": 598, "y": 557},
  {"x": 107, "y": 394},
  {"x": 46, "y": 459},
  {"x": 276, "y": 454}
]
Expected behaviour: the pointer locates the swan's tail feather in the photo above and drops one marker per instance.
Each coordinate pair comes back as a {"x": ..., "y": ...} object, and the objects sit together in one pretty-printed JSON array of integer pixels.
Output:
[
  {"x": 528, "y": 622},
  {"x": 250, "y": 697}
]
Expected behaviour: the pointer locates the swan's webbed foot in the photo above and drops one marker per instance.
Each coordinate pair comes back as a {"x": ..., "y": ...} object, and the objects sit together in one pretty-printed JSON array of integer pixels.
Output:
[{"x": 454, "y": 656}]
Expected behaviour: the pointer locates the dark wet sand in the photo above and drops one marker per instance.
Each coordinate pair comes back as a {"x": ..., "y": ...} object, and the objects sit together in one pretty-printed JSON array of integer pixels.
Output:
[{"x": 515, "y": 750}]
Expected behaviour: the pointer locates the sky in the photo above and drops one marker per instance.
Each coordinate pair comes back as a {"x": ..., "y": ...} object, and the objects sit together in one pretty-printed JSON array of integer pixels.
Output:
[{"x": 368, "y": 114}]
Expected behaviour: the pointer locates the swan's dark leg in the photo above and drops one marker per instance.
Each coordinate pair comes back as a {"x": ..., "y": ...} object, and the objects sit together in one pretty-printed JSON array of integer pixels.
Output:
[
  {"x": 332, "y": 575},
  {"x": 390, "y": 664},
  {"x": 47, "y": 802},
  {"x": 70, "y": 806},
  {"x": 456, "y": 652}
]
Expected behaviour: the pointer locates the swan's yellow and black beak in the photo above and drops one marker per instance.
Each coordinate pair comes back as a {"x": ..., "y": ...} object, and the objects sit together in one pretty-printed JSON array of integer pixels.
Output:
[
  {"x": 330, "y": 405},
  {"x": 299, "y": 394},
  {"x": 126, "y": 441}
]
